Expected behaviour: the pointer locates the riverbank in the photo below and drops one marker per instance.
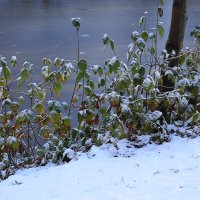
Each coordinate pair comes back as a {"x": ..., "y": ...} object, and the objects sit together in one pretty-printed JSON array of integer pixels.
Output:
[{"x": 167, "y": 171}]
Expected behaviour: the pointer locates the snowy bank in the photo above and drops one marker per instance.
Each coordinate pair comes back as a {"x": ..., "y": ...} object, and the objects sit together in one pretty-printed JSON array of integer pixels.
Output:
[{"x": 156, "y": 172}]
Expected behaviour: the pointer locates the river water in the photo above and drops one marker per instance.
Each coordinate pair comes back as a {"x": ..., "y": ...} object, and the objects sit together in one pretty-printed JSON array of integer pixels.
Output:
[{"x": 35, "y": 29}]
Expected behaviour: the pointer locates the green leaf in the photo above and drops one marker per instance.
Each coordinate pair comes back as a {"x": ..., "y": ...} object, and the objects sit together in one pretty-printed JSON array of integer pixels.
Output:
[
  {"x": 160, "y": 30},
  {"x": 82, "y": 65},
  {"x": 3, "y": 61},
  {"x": 14, "y": 145},
  {"x": 55, "y": 116},
  {"x": 106, "y": 39},
  {"x": 182, "y": 59},
  {"x": 194, "y": 90},
  {"x": 153, "y": 50},
  {"x": 47, "y": 62},
  {"x": 142, "y": 20},
  {"x": 66, "y": 121},
  {"x": 196, "y": 118},
  {"x": 145, "y": 35},
  {"x": 45, "y": 132},
  {"x": 88, "y": 90},
  {"x": 19, "y": 85},
  {"x": 79, "y": 76},
  {"x": 59, "y": 77},
  {"x": 160, "y": 12},
  {"x": 162, "y": 2},
  {"x": 137, "y": 79},
  {"x": 148, "y": 84},
  {"x": 7, "y": 72},
  {"x": 86, "y": 75},
  {"x": 103, "y": 111},
  {"x": 92, "y": 85},
  {"x": 13, "y": 61},
  {"x": 56, "y": 89},
  {"x": 39, "y": 107},
  {"x": 42, "y": 94},
  {"x": 21, "y": 100},
  {"x": 100, "y": 71},
  {"x": 1, "y": 92},
  {"x": 142, "y": 71},
  {"x": 112, "y": 45},
  {"x": 75, "y": 132},
  {"x": 24, "y": 74},
  {"x": 1, "y": 118},
  {"x": 140, "y": 43},
  {"x": 33, "y": 93},
  {"x": 114, "y": 64},
  {"x": 135, "y": 35},
  {"x": 76, "y": 22},
  {"x": 101, "y": 82},
  {"x": 57, "y": 62},
  {"x": 45, "y": 71},
  {"x": 19, "y": 119},
  {"x": 80, "y": 117}
]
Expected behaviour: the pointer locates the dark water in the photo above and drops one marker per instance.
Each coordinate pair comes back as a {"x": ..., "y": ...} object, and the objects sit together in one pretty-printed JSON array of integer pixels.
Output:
[{"x": 33, "y": 29}]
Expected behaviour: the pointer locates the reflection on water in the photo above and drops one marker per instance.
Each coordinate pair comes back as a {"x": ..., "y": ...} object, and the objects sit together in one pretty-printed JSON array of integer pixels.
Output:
[{"x": 32, "y": 30}]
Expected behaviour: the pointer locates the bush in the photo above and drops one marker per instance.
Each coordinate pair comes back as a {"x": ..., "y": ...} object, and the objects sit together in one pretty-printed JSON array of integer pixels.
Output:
[{"x": 125, "y": 102}]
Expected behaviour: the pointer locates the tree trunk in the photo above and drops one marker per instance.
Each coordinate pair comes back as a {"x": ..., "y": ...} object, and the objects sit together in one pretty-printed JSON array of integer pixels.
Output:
[{"x": 176, "y": 37}]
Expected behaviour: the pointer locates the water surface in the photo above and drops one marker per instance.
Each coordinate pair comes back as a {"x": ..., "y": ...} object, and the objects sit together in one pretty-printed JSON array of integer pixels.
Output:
[{"x": 35, "y": 29}]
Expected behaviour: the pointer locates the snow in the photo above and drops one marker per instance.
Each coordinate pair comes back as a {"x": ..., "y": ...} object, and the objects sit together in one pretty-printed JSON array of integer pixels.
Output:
[
  {"x": 85, "y": 35},
  {"x": 168, "y": 72},
  {"x": 169, "y": 171},
  {"x": 69, "y": 153},
  {"x": 140, "y": 41},
  {"x": 184, "y": 102},
  {"x": 183, "y": 82},
  {"x": 13, "y": 58},
  {"x": 95, "y": 68},
  {"x": 157, "y": 75},
  {"x": 105, "y": 36},
  {"x": 154, "y": 116},
  {"x": 75, "y": 18},
  {"x": 147, "y": 82},
  {"x": 135, "y": 34},
  {"x": 11, "y": 140},
  {"x": 2, "y": 141},
  {"x": 113, "y": 60},
  {"x": 3, "y": 60}
]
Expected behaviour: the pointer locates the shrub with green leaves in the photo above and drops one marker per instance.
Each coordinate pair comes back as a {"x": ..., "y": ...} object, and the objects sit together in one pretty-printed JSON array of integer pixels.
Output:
[{"x": 38, "y": 123}]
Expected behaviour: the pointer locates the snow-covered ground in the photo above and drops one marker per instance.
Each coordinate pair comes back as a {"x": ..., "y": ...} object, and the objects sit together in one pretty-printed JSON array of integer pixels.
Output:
[{"x": 156, "y": 172}]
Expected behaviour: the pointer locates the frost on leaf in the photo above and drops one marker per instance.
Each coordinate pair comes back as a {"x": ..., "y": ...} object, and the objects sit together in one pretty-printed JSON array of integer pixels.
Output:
[
  {"x": 106, "y": 39},
  {"x": 154, "y": 116},
  {"x": 140, "y": 43},
  {"x": 1, "y": 141},
  {"x": 69, "y": 155},
  {"x": 157, "y": 75},
  {"x": 148, "y": 84},
  {"x": 113, "y": 60},
  {"x": 14, "y": 58},
  {"x": 152, "y": 35},
  {"x": 184, "y": 102},
  {"x": 11, "y": 140},
  {"x": 45, "y": 71},
  {"x": 134, "y": 35},
  {"x": 76, "y": 22},
  {"x": 183, "y": 83},
  {"x": 168, "y": 72},
  {"x": 3, "y": 61}
]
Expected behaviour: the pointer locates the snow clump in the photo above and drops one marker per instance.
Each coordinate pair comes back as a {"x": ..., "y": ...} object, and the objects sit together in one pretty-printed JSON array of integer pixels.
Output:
[{"x": 69, "y": 155}]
